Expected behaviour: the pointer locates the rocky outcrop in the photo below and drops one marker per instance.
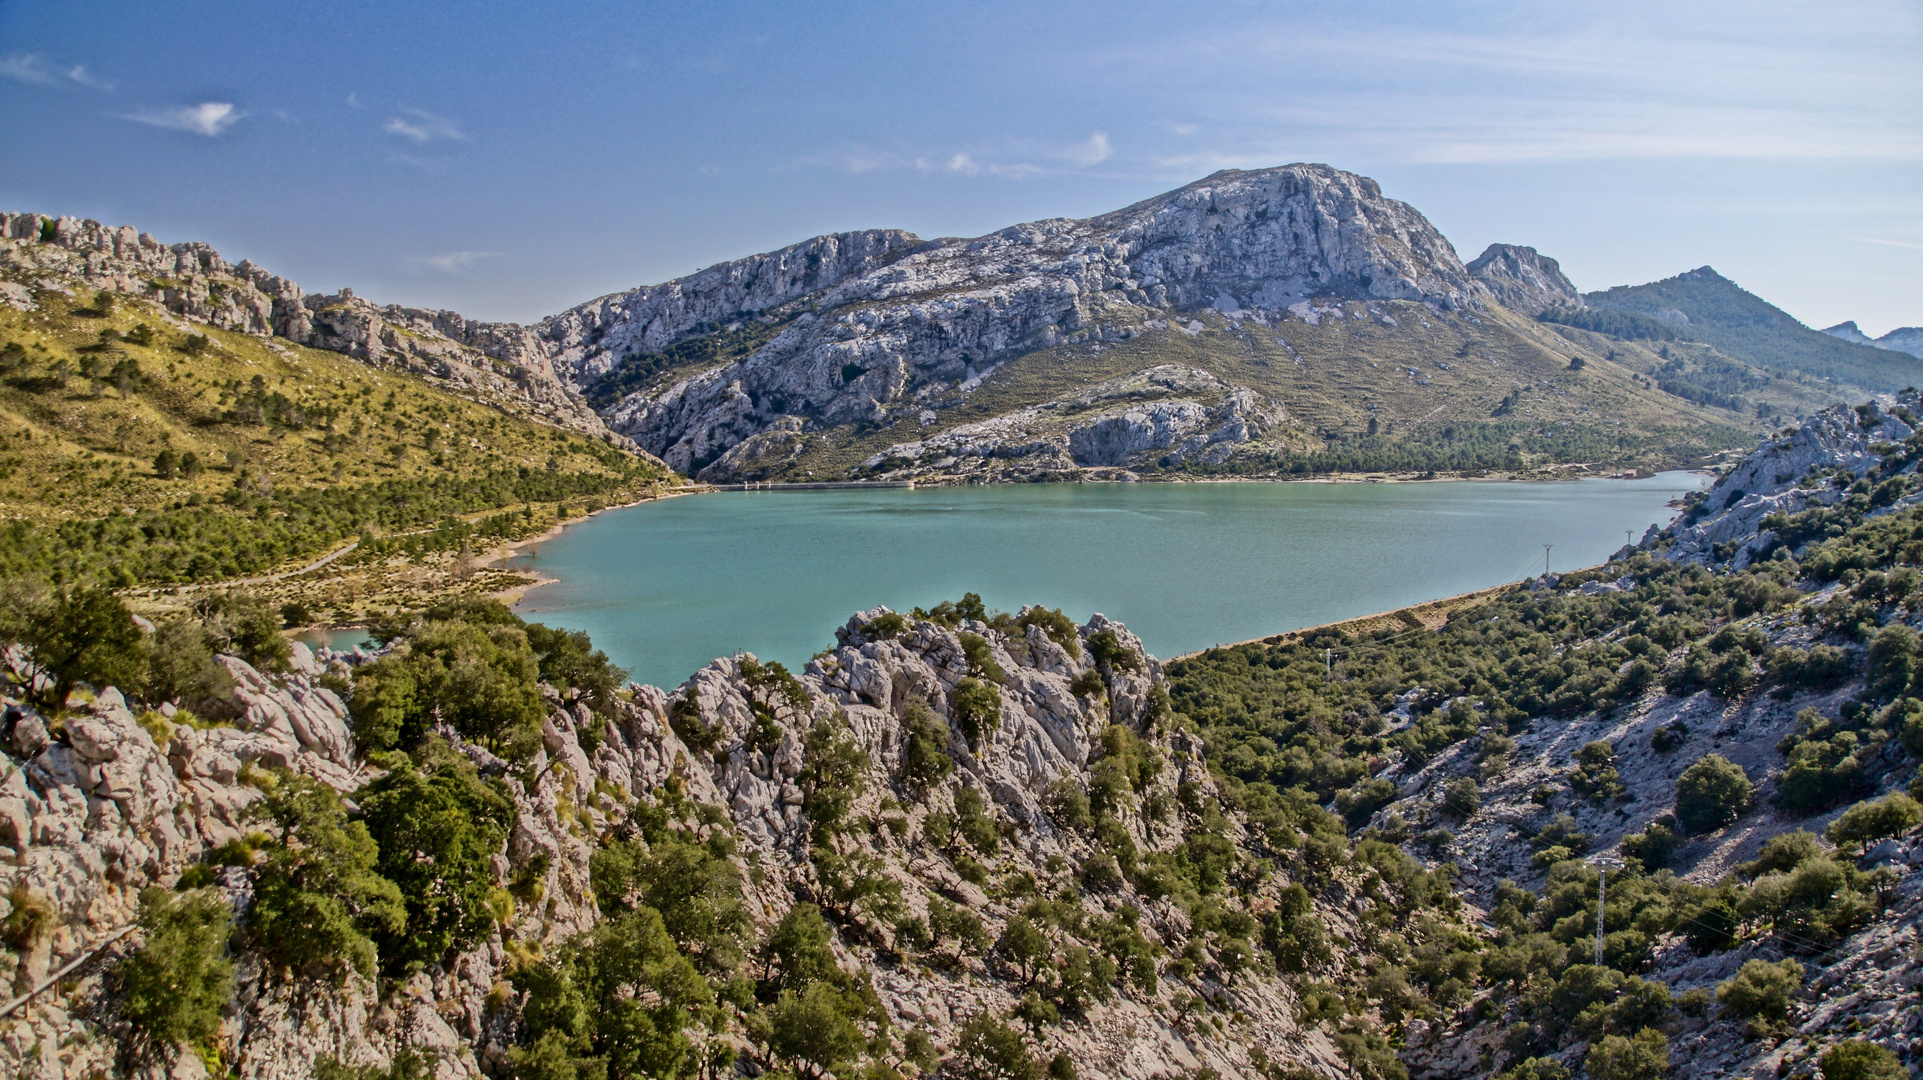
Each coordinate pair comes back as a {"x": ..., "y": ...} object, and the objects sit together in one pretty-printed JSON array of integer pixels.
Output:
[
  {"x": 1523, "y": 279},
  {"x": 914, "y": 323},
  {"x": 501, "y": 363},
  {"x": 95, "y": 809},
  {"x": 1903, "y": 339},
  {"x": 585, "y": 341},
  {"x": 1814, "y": 465}
]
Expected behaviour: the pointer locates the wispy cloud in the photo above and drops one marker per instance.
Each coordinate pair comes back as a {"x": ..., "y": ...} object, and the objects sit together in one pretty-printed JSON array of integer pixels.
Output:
[
  {"x": 422, "y": 126},
  {"x": 1888, "y": 243},
  {"x": 1015, "y": 159},
  {"x": 29, "y": 68},
  {"x": 417, "y": 161},
  {"x": 450, "y": 262},
  {"x": 209, "y": 118},
  {"x": 79, "y": 73}
]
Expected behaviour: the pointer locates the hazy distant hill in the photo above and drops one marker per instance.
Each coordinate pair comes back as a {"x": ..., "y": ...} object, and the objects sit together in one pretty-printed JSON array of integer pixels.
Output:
[
  {"x": 1904, "y": 339},
  {"x": 1704, "y": 306}
]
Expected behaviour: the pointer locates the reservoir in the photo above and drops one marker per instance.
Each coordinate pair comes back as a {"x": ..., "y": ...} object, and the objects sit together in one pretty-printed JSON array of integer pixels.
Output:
[{"x": 665, "y": 587}]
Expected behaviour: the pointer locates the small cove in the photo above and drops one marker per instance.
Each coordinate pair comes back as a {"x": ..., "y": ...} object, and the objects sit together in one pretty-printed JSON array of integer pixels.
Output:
[{"x": 665, "y": 587}]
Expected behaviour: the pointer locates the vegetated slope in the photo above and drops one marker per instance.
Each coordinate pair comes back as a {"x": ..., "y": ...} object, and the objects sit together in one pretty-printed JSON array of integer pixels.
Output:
[
  {"x": 1305, "y": 311},
  {"x": 1730, "y": 712},
  {"x": 1718, "y": 312},
  {"x": 501, "y": 364},
  {"x": 1008, "y": 846},
  {"x": 141, "y": 449}
]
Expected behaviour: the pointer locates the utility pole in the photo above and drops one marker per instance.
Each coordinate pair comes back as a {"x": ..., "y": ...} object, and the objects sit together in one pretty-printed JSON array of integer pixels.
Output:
[
  {"x": 1629, "y": 538},
  {"x": 1545, "y": 559},
  {"x": 1602, "y": 865},
  {"x": 1328, "y": 665}
]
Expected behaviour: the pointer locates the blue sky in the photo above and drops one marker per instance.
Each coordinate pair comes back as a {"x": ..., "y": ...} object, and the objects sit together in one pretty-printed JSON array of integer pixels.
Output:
[{"x": 508, "y": 160}]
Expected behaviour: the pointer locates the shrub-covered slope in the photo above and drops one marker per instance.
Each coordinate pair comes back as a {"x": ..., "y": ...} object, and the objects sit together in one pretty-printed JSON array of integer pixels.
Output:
[
  {"x": 1010, "y": 846},
  {"x": 141, "y": 449}
]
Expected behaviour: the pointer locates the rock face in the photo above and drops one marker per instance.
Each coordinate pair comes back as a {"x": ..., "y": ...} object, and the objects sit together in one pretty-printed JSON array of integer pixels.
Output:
[
  {"x": 94, "y": 812},
  {"x": 1903, "y": 339},
  {"x": 1814, "y": 465},
  {"x": 891, "y": 324},
  {"x": 501, "y": 363},
  {"x": 1524, "y": 279}
]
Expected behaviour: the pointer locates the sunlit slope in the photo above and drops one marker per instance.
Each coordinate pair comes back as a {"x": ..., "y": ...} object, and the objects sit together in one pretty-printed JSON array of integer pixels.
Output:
[{"x": 138, "y": 447}]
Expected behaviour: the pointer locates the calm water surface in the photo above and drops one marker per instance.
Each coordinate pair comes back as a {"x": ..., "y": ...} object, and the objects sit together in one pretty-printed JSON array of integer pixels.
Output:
[{"x": 665, "y": 587}]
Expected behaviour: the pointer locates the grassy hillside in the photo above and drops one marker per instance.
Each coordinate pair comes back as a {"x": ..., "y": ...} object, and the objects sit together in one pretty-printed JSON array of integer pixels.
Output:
[
  {"x": 1387, "y": 387},
  {"x": 137, "y": 449},
  {"x": 1747, "y": 328}
]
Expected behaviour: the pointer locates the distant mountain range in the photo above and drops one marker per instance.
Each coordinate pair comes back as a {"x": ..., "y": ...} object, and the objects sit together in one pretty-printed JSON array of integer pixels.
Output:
[
  {"x": 1904, "y": 339},
  {"x": 1273, "y": 321}
]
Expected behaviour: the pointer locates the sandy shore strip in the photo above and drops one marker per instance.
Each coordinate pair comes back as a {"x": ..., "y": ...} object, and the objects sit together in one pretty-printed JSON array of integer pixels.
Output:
[{"x": 497, "y": 557}]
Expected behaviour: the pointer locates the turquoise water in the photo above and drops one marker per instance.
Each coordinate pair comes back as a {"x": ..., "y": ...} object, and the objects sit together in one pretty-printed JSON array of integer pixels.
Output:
[{"x": 665, "y": 587}]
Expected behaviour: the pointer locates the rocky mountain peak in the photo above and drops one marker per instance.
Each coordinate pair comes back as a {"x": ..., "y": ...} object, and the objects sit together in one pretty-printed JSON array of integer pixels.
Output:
[
  {"x": 1524, "y": 279},
  {"x": 1848, "y": 331}
]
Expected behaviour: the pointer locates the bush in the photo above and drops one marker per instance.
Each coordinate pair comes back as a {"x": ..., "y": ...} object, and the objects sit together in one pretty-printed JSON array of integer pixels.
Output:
[
  {"x": 1860, "y": 1059},
  {"x": 175, "y": 985},
  {"x": 1642, "y": 1056},
  {"x": 987, "y": 1049},
  {"x": 76, "y": 636},
  {"x": 811, "y": 1030},
  {"x": 925, "y": 760},
  {"x": 1711, "y": 793},
  {"x": 978, "y": 709},
  {"x": 242, "y": 624},
  {"x": 318, "y": 899},
  {"x": 1761, "y": 990},
  {"x": 480, "y": 679},
  {"x": 438, "y": 828},
  {"x": 1892, "y": 815},
  {"x": 1653, "y": 847}
]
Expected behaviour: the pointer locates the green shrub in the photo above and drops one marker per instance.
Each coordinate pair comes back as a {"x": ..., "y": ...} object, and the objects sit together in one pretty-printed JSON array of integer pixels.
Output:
[
  {"x": 958, "y": 926},
  {"x": 244, "y": 625},
  {"x": 174, "y": 986},
  {"x": 1536, "y": 1068},
  {"x": 75, "y": 636},
  {"x": 1068, "y": 805},
  {"x": 987, "y": 1049},
  {"x": 1059, "y": 628},
  {"x": 613, "y": 1002},
  {"x": 319, "y": 899},
  {"x": 811, "y": 1031},
  {"x": 1761, "y": 990},
  {"x": 1653, "y": 847},
  {"x": 925, "y": 760},
  {"x": 1860, "y": 1059},
  {"x": 483, "y": 680},
  {"x": 981, "y": 657},
  {"x": 1643, "y": 1056},
  {"x": 977, "y": 708},
  {"x": 831, "y": 778},
  {"x": 1893, "y": 815},
  {"x": 885, "y": 626},
  {"x": 181, "y": 666},
  {"x": 438, "y": 828},
  {"x": 1711, "y": 793}
]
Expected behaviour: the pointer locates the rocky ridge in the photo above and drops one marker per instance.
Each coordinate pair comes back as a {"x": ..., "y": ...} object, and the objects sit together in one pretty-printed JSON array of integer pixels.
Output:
[
  {"x": 1524, "y": 279},
  {"x": 903, "y": 326},
  {"x": 1903, "y": 339},
  {"x": 108, "y": 803},
  {"x": 499, "y": 363}
]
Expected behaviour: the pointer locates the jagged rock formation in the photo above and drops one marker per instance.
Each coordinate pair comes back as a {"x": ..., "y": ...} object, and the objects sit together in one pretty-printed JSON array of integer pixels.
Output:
[
  {"x": 903, "y": 325},
  {"x": 111, "y": 803},
  {"x": 1524, "y": 279},
  {"x": 500, "y": 363},
  {"x": 1903, "y": 339},
  {"x": 1818, "y": 464}
]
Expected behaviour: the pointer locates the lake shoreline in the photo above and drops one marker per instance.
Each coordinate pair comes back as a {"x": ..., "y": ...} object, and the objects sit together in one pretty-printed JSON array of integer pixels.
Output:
[{"x": 670, "y": 590}]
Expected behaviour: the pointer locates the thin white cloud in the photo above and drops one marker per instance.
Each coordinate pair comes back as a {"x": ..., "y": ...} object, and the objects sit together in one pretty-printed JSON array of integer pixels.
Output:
[
  {"x": 34, "y": 69},
  {"x": 450, "y": 262},
  {"x": 1888, "y": 243},
  {"x": 28, "y": 68},
  {"x": 1016, "y": 159},
  {"x": 422, "y": 126},
  {"x": 79, "y": 73},
  {"x": 209, "y": 118},
  {"x": 353, "y": 101}
]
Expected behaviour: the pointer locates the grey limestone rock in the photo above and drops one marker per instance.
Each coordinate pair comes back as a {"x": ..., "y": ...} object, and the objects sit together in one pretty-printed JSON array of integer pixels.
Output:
[{"x": 1524, "y": 279}]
